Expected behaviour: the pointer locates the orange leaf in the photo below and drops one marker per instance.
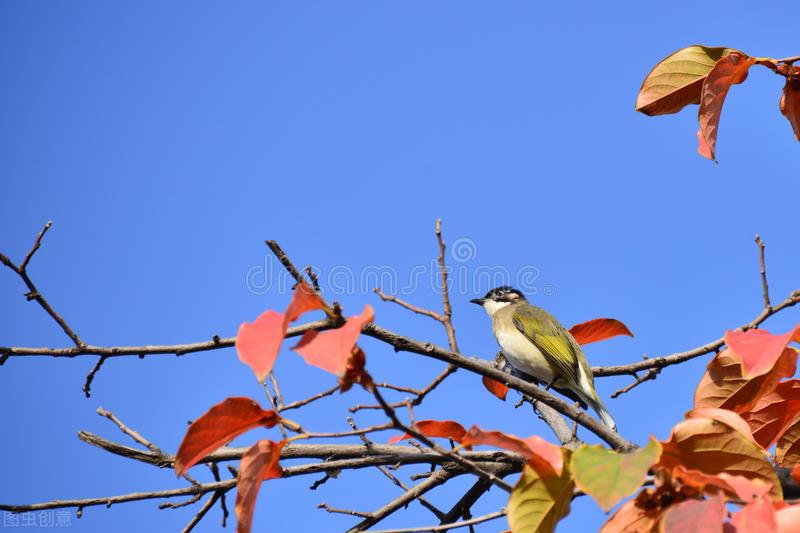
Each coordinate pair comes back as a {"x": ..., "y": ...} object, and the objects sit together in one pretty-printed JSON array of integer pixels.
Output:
[
  {"x": 495, "y": 387},
  {"x": 632, "y": 518},
  {"x": 220, "y": 424},
  {"x": 736, "y": 487},
  {"x": 725, "y": 386},
  {"x": 759, "y": 350},
  {"x": 756, "y": 517},
  {"x": 447, "y": 429},
  {"x": 796, "y": 473},
  {"x": 697, "y": 516},
  {"x": 598, "y": 329},
  {"x": 259, "y": 342},
  {"x": 729, "y": 70},
  {"x": 725, "y": 416},
  {"x": 356, "y": 371},
  {"x": 539, "y": 452},
  {"x": 258, "y": 464},
  {"x": 677, "y": 80},
  {"x": 331, "y": 350},
  {"x": 774, "y": 413},
  {"x": 787, "y": 452},
  {"x": 713, "y": 447},
  {"x": 790, "y": 104}
]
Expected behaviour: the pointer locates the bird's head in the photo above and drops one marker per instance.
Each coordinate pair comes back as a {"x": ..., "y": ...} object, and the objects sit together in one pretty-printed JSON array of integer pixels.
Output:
[{"x": 498, "y": 298}]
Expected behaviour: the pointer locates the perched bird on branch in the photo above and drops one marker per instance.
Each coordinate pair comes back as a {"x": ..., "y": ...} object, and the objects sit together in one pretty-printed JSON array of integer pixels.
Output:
[{"x": 536, "y": 344}]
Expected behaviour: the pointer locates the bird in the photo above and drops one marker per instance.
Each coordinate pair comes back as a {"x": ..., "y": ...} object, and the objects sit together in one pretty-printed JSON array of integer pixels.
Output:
[{"x": 536, "y": 344}]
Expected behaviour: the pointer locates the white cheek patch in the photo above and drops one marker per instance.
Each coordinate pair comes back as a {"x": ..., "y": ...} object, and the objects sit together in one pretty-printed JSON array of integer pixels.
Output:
[{"x": 492, "y": 307}]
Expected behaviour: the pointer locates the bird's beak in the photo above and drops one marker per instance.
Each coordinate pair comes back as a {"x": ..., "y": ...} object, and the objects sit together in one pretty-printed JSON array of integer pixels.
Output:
[{"x": 478, "y": 301}]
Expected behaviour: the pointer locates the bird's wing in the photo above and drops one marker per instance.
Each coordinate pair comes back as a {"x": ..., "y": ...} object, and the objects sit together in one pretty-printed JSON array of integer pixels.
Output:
[{"x": 551, "y": 338}]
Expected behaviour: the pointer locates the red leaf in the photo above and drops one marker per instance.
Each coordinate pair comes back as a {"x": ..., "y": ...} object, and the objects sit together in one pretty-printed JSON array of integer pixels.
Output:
[
  {"x": 756, "y": 517},
  {"x": 774, "y": 413},
  {"x": 697, "y": 516},
  {"x": 796, "y": 473},
  {"x": 758, "y": 349},
  {"x": 495, "y": 387},
  {"x": 598, "y": 329},
  {"x": 331, "y": 350},
  {"x": 790, "y": 104},
  {"x": 259, "y": 342},
  {"x": 537, "y": 450},
  {"x": 729, "y": 70},
  {"x": 447, "y": 429},
  {"x": 220, "y": 424},
  {"x": 258, "y": 464}
]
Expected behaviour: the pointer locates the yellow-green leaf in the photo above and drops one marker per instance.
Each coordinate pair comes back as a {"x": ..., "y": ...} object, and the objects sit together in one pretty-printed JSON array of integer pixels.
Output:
[
  {"x": 539, "y": 500},
  {"x": 608, "y": 476},
  {"x": 677, "y": 80}
]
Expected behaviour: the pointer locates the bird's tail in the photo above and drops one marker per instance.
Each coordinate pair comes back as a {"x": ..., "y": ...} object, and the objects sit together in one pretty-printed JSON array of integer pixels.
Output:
[
  {"x": 605, "y": 416},
  {"x": 587, "y": 393}
]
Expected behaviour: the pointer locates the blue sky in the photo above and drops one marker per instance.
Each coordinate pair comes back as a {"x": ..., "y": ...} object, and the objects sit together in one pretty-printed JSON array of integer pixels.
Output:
[{"x": 166, "y": 142}]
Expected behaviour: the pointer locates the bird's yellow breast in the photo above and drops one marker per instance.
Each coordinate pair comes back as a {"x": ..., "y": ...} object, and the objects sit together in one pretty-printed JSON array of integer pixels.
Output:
[{"x": 520, "y": 352}]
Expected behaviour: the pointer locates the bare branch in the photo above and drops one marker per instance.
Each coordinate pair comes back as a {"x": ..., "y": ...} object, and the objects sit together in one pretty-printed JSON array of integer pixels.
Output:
[
  {"x": 462, "y": 506},
  {"x": 440, "y": 477},
  {"x": 301, "y": 403},
  {"x": 448, "y": 527},
  {"x": 651, "y": 374},
  {"x": 448, "y": 311},
  {"x": 87, "y": 385},
  {"x": 341, "y": 511},
  {"x": 33, "y": 292},
  {"x": 135, "y": 435},
  {"x": 134, "y": 496},
  {"x": 29, "y": 256},
  {"x": 680, "y": 357},
  {"x": 347, "y": 455},
  {"x": 764, "y": 286},
  {"x": 289, "y": 266},
  {"x": 462, "y": 461},
  {"x": 485, "y": 368},
  {"x": 406, "y": 305},
  {"x": 203, "y": 510}
]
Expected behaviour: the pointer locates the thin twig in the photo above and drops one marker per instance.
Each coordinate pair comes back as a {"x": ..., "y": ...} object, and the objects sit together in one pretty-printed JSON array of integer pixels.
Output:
[
  {"x": 764, "y": 286},
  {"x": 301, "y": 403},
  {"x": 440, "y": 477},
  {"x": 134, "y": 496},
  {"x": 447, "y": 527},
  {"x": 222, "y": 504},
  {"x": 24, "y": 265},
  {"x": 135, "y": 435},
  {"x": 406, "y": 305},
  {"x": 465, "y": 463},
  {"x": 425, "y": 503},
  {"x": 87, "y": 385},
  {"x": 341, "y": 511},
  {"x": 203, "y": 510},
  {"x": 448, "y": 311},
  {"x": 649, "y": 375},
  {"x": 289, "y": 266},
  {"x": 34, "y": 294},
  {"x": 676, "y": 358}
]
